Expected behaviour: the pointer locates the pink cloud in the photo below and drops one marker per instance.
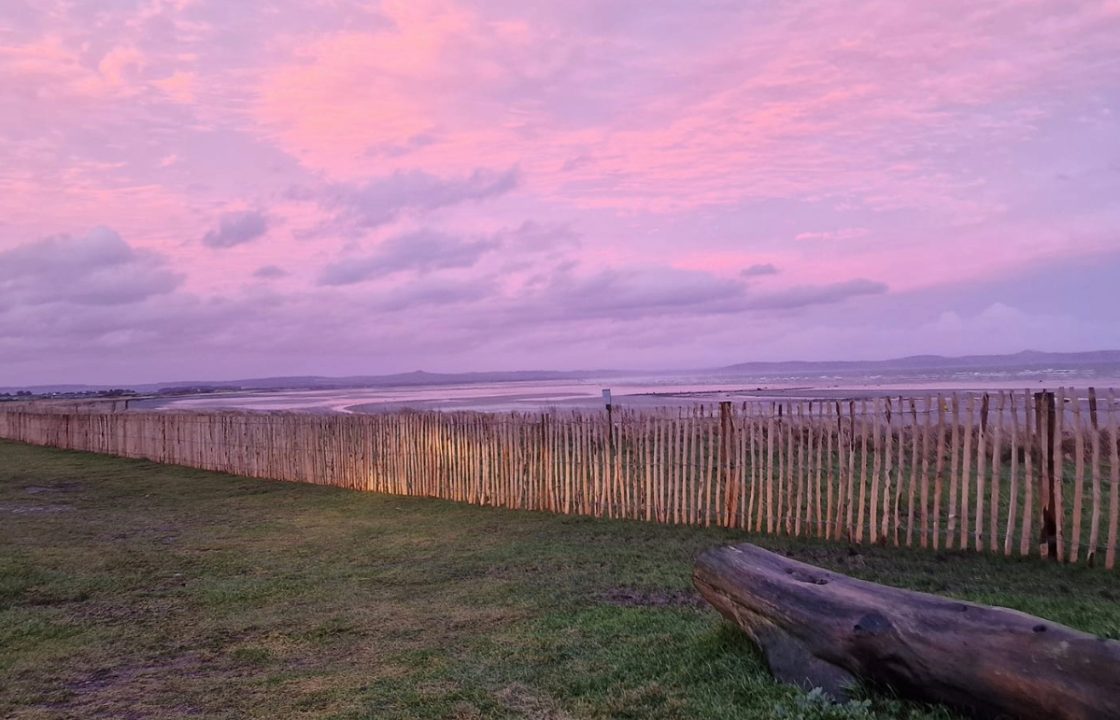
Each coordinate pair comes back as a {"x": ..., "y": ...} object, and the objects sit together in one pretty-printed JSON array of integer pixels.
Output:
[
  {"x": 841, "y": 234},
  {"x": 180, "y": 86},
  {"x": 788, "y": 113},
  {"x": 685, "y": 167}
]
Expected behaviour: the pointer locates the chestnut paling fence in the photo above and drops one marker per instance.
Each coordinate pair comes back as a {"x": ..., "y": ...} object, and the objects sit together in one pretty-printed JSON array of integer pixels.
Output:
[{"x": 1027, "y": 473}]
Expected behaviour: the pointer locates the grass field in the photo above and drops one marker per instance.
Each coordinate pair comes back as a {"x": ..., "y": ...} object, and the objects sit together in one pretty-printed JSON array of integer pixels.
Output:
[{"x": 135, "y": 590}]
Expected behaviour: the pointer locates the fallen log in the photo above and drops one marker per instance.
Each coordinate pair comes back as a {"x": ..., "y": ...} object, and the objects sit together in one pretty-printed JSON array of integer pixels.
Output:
[{"x": 822, "y": 629}]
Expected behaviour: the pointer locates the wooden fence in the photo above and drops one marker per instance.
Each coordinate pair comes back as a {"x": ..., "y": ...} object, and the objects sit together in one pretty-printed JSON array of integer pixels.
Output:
[{"x": 1013, "y": 472}]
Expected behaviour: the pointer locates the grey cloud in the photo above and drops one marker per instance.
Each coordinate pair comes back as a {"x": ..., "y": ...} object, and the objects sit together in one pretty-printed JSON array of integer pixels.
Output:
[
  {"x": 180, "y": 336},
  {"x": 427, "y": 251},
  {"x": 175, "y": 326},
  {"x": 433, "y": 292},
  {"x": 641, "y": 292},
  {"x": 663, "y": 292},
  {"x": 422, "y": 252},
  {"x": 536, "y": 238},
  {"x": 97, "y": 269},
  {"x": 758, "y": 270},
  {"x": 805, "y": 295},
  {"x": 526, "y": 247},
  {"x": 379, "y": 201},
  {"x": 393, "y": 150},
  {"x": 237, "y": 228},
  {"x": 270, "y": 272}
]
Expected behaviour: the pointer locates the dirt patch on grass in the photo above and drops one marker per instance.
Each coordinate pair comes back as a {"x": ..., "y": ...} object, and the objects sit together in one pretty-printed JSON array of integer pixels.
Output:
[
  {"x": 60, "y": 487},
  {"x": 524, "y": 570},
  {"x": 132, "y": 690},
  {"x": 529, "y": 703},
  {"x": 108, "y": 613},
  {"x": 629, "y": 597},
  {"x": 29, "y": 509}
]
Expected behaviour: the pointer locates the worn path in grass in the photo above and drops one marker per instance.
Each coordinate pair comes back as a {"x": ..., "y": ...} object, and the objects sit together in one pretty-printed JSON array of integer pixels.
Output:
[{"x": 133, "y": 590}]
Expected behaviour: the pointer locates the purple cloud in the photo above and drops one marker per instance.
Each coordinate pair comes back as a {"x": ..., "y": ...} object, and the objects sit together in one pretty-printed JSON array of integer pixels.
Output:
[
  {"x": 269, "y": 272},
  {"x": 630, "y": 294},
  {"x": 379, "y": 201},
  {"x": 421, "y": 252},
  {"x": 758, "y": 270},
  {"x": 99, "y": 268},
  {"x": 805, "y": 295},
  {"x": 432, "y": 292},
  {"x": 237, "y": 228},
  {"x": 635, "y": 292}
]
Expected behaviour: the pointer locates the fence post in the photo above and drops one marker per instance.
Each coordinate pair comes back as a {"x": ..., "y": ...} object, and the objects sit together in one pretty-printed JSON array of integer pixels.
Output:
[
  {"x": 726, "y": 433},
  {"x": 609, "y": 479},
  {"x": 1044, "y": 403}
]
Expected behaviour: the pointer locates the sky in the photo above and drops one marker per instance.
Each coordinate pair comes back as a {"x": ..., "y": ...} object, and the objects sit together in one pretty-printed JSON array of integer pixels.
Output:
[{"x": 205, "y": 189}]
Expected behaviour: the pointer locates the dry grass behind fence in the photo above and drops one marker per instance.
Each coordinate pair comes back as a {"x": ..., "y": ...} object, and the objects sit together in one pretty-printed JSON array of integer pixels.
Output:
[{"x": 1013, "y": 473}]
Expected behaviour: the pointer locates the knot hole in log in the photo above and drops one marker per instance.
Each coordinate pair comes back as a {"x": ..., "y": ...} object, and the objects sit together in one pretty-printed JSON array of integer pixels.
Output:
[
  {"x": 872, "y": 624},
  {"x": 805, "y": 577}
]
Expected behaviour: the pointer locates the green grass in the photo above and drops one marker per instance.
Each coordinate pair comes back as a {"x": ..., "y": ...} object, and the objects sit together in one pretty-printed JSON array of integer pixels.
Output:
[{"x": 130, "y": 589}]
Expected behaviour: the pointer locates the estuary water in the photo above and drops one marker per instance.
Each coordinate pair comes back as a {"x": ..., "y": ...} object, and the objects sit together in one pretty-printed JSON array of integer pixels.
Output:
[{"x": 641, "y": 391}]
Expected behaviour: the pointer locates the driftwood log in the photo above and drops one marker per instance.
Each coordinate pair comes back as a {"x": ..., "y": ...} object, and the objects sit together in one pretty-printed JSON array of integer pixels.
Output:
[{"x": 822, "y": 629}]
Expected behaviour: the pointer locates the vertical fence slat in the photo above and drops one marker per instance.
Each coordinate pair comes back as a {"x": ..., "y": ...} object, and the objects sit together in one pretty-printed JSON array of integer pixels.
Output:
[
  {"x": 1114, "y": 496},
  {"x": 877, "y": 464},
  {"x": 800, "y": 473},
  {"x": 911, "y": 495},
  {"x": 726, "y": 448},
  {"x": 849, "y": 504},
  {"x": 1078, "y": 481},
  {"x": 863, "y": 422},
  {"x": 1043, "y": 410},
  {"x": 1095, "y": 449},
  {"x": 1058, "y": 459},
  {"x": 923, "y": 492},
  {"x": 1013, "y": 480},
  {"x": 997, "y": 476},
  {"x": 1029, "y": 427},
  {"x": 981, "y": 470},
  {"x": 889, "y": 508},
  {"x": 770, "y": 500},
  {"x": 752, "y": 476},
  {"x": 830, "y": 474},
  {"x": 899, "y": 473},
  {"x": 966, "y": 471},
  {"x": 821, "y": 428},
  {"x": 954, "y": 445},
  {"x": 785, "y": 466},
  {"x": 709, "y": 468}
]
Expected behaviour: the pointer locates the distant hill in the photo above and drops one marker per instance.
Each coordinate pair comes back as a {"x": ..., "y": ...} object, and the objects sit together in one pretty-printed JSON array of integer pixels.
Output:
[
  {"x": 1022, "y": 360},
  {"x": 410, "y": 379},
  {"x": 308, "y": 382}
]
